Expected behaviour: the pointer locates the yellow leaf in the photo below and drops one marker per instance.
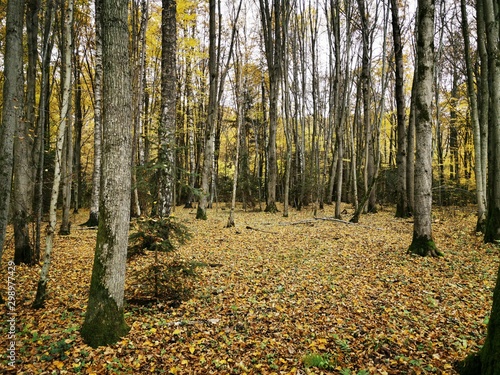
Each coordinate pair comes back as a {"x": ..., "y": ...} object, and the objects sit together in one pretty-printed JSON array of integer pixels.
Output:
[
  {"x": 184, "y": 362},
  {"x": 152, "y": 330},
  {"x": 177, "y": 331},
  {"x": 191, "y": 349},
  {"x": 58, "y": 364}
]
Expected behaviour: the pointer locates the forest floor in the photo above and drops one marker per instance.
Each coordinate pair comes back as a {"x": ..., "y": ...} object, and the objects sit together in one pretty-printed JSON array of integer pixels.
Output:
[{"x": 281, "y": 296}]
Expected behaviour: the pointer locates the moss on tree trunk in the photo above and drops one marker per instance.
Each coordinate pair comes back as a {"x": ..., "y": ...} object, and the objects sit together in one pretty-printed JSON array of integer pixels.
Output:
[
  {"x": 424, "y": 246},
  {"x": 201, "y": 214},
  {"x": 104, "y": 321},
  {"x": 487, "y": 360},
  {"x": 271, "y": 207}
]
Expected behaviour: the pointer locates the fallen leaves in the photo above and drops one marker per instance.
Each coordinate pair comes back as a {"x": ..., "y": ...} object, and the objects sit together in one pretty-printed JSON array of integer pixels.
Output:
[{"x": 338, "y": 298}]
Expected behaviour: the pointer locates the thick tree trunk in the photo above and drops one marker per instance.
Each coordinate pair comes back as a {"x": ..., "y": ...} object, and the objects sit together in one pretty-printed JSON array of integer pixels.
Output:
[
  {"x": 491, "y": 12},
  {"x": 104, "y": 319},
  {"x": 24, "y": 163},
  {"x": 166, "y": 130},
  {"x": 423, "y": 243},
  {"x": 12, "y": 111},
  {"x": 486, "y": 362}
]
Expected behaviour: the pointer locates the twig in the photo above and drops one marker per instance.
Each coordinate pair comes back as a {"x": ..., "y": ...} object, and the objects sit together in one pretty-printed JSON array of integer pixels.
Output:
[{"x": 259, "y": 230}]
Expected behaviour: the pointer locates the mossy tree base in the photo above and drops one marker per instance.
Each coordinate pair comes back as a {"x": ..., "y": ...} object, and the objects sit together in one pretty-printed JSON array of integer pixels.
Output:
[
  {"x": 271, "y": 208},
  {"x": 201, "y": 214},
  {"x": 424, "y": 246},
  {"x": 105, "y": 325},
  {"x": 470, "y": 365}
]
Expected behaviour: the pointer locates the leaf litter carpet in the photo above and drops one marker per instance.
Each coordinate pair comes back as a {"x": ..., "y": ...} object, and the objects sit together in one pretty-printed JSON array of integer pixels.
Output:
[{"x": 278, "y": 296}]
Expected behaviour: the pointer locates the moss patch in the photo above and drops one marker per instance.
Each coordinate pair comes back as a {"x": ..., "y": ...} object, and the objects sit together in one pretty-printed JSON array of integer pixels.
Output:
[
  {"x": 469, "y": 366},
  {"x": 271, "y": 207},
  {"x": 201, "y": 214},
  {"x": 424, "y": 246}
]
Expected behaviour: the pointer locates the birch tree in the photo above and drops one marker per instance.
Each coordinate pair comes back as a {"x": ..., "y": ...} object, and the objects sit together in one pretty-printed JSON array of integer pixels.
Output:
[{"x": 41, "y": 292}]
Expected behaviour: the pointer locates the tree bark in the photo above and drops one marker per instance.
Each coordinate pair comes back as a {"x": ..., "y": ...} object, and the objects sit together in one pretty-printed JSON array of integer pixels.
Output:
[
  {"x": 239, "y": 121},
  {"x": 479, "y": 151},
  {"x": 93, "y": 220},
  {"x": 24, "y": 164},
  {"x": 104, "y": 319},
  {"x": 272, "y": 25},
  {"x": 166, "y": 130},
  {"x": 12, "y": 106},
  {"x": 67, "y": 158},
  {"x": 41, "y": 292},
  {"x": 490, "y": 12},
  {"x": 209, "y": 150},
  {"x": 423, "y": 243},
  {"x": 402, "y": 198},
  {"x": 48, "y": 44}
]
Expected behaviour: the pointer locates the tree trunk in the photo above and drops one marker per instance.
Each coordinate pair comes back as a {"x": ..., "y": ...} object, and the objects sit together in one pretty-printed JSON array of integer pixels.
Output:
[
  {"x": 212, "y": 114},
  {"x": 239, "y": 121},
  {"x": 423, "y": 243},
  {"x": 67, "y": 178},
  {"x": 104, "y": 319},
  {"x": 67, "y": 160},
  {"x": 369, "y": 174},
  {"x": 24, "y": 164},
  {"x": 96, "y": 174},
  {"x": 402, "y": 198},
  {"x": 41, "y": 293},
  {"x": 272, "y": 26},
  {"x": 490, "y": 13},
  {"x": 48, "y": 43},
  {"x": 478, "y": 150},
  {"x": 12, "y": 106},
  {"x": 77, "y": 147},
  {"x": 486, "y": 361},
  {"x": 410, "y": 162},
  {"x": 166, "y": 130}
]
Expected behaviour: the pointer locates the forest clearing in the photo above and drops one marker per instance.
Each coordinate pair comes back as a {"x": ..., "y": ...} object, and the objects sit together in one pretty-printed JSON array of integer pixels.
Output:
[{"x": 275, "y": 296}]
